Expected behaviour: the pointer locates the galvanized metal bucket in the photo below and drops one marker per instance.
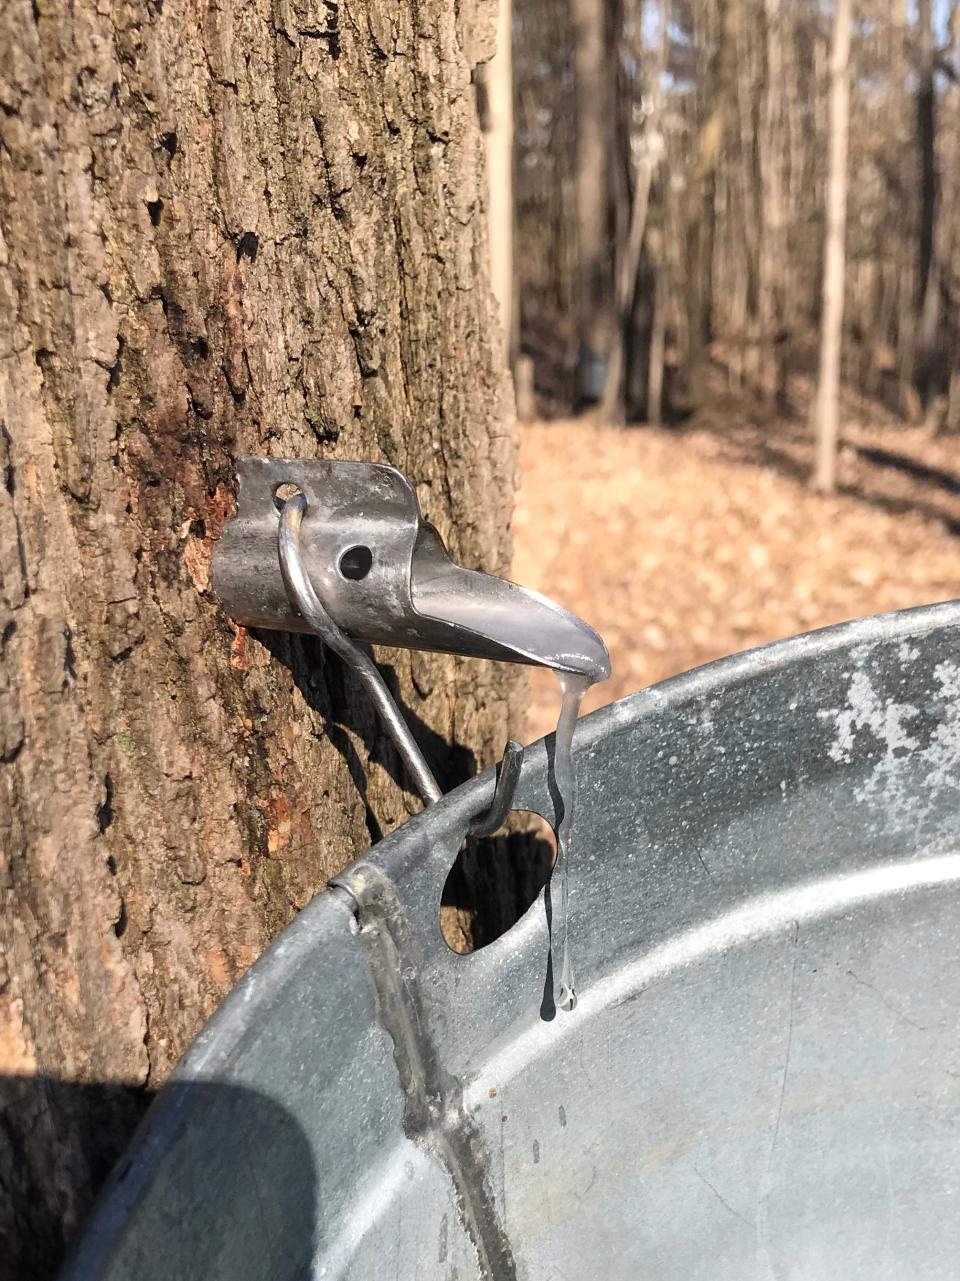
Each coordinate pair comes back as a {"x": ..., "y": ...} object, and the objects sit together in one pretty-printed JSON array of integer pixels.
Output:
[{"x": 762, "y": 1077}]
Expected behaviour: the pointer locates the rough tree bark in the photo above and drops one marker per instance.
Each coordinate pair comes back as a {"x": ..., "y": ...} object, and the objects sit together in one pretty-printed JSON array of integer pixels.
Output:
[
  {"x": 827, "y": 402},
  {"x": 251, "y": 227},
  {"x": 496, "y": 86}
]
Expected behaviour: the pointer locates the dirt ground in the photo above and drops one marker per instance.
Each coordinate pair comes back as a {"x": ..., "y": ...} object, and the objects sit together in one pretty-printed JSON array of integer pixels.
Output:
[{"x": 684, "y": 545}]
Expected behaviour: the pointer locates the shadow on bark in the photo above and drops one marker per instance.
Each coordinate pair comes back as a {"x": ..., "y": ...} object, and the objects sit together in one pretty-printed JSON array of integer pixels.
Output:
[
  {"x": 231, "y": 1190},
  {"x": 335, "y": 693}
]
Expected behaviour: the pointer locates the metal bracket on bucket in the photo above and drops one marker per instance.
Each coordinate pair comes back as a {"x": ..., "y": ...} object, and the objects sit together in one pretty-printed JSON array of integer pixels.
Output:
[{"x": 341, "y": 550}]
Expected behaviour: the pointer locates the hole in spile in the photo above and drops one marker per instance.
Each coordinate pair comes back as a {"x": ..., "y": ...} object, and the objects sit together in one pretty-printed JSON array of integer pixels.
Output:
[
  {"x": 495, "y": 881},
  {"x": 356, "y": 562},
  {"x": 284, "y": 492}
]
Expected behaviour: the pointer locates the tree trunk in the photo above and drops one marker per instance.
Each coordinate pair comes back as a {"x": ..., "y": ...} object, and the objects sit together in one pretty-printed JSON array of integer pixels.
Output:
[
  {"x": 928, "y": 281},
  {"x": 926, "y": 148},
  {"x": 630, "y": 341},
  {"x": 834, "y": 270},
  {"x": 497, "y": 120},
  {"x": 594, "y": 75},
  {"x": 246, "y": 228},
  {"x": 699, "y": 217},
  {"x": 658, "y": 342},
  {"x": 612, "y": 404},
  {"x": 773, "y": 253}
]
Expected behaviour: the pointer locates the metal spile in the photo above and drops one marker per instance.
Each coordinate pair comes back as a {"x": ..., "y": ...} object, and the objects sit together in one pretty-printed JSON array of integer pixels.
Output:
[
  {"x": 340, "y": 549},
  {"x": 383, "y": 573}
]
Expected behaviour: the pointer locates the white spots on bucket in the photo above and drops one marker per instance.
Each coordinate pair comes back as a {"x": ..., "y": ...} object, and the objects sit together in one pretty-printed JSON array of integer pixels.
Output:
[
  {"x": 889, "y": 723},
  {"x": 943, "y": 755},
  {"x": 947, "y": 676},
  {"x": 885, "y": 720}
]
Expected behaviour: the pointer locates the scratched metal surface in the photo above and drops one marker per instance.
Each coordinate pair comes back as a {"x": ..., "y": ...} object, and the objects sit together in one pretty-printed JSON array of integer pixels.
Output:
[{"x": 762, "y": 1077}]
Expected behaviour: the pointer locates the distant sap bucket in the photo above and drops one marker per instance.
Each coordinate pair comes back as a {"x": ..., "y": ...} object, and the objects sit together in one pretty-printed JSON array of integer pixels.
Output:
[{"x": 593, "y": 375}]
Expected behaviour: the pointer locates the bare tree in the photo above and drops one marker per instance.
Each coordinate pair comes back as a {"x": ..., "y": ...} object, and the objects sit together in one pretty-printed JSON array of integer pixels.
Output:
[
  {"x": 643, "y": 146},
  {"x": 773, "y": 152},
  {"x": 928, "y": 266},
  {"x": 699, "y": 206},
  {"x": 834, "y": 268},
  {"x": 594, "y": 78},
  {"x": 223, "y": 231}
]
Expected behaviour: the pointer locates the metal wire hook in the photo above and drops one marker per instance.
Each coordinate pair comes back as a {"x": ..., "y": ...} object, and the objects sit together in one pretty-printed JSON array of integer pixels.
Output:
[
  {"x": 307, "y": 602},
  {"x": 508, "y": 775},
  {"x": 301, "y": 592}
]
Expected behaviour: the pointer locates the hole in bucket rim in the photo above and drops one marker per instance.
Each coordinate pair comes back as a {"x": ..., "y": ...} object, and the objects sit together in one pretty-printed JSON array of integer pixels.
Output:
[
  {"x": 283, "y": 492},
  {"x": 495, "y": 880}
]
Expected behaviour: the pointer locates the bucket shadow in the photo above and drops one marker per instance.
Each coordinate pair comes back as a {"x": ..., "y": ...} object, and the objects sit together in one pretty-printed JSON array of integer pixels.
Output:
[{"x": 219, "y": 1181}]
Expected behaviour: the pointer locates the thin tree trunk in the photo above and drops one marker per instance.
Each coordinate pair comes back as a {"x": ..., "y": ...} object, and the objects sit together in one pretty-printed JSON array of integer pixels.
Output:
[
  {"x": 594, "y": 102},
  {"x": 223, "y": 230},
  {"x": 699, "y": 198},
  {"x": 904, "y": 332},
  {"x": 773, "y": 254},
  {"x": 928, "y": 283},
  {"x": 747, "y": 198},
  {"x": 612, "y": 403},
  {"x": 926, "y": 148},
  {"x": 834, "y": 271},
  {"x": 951, "y": 258},
  {"x": 658, "y": 342}
]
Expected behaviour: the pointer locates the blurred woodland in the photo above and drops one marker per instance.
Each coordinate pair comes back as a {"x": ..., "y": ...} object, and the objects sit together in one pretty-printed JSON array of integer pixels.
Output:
[
  {"x": 736, "y": 223},
  {"x": 761, "y": 188}
]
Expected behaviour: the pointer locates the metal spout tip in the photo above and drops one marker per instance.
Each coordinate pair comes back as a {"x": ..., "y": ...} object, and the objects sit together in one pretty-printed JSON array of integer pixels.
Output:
[{"x": 493, "y": 618}]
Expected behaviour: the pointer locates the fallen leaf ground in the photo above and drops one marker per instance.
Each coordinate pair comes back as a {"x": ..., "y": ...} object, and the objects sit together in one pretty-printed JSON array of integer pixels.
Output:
[{"x": 684, "y": 545}]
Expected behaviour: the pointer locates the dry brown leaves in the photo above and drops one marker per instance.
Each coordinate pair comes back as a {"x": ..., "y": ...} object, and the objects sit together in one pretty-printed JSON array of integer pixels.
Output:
[{"x": 684, "y": 546}]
